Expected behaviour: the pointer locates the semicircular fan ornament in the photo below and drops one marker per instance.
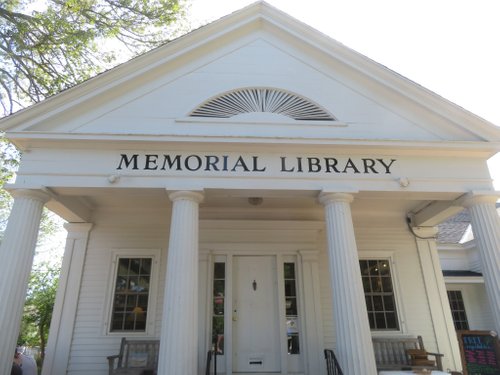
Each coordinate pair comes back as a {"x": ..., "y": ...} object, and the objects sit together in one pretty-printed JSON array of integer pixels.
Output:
[{"x": 269, "y": 100}]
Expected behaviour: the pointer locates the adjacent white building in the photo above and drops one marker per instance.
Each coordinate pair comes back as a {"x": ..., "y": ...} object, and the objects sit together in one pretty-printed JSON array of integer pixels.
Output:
[
  {"x": 254, "y": 185},
  {"x": 461, "y": 262}
]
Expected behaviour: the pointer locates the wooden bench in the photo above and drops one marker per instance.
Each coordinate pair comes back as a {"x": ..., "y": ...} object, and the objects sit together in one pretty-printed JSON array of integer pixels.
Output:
[
  {"x": 404, "y": 353},
  {"x": 136, "y": 357}
]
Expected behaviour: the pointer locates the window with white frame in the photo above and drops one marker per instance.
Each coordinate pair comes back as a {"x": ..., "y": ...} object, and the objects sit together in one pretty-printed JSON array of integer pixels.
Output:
[
  {"x": 219, "y": 296},
  {"x": 458, "y": 310},
  {"x": 379, "y": 294},
  {"x": 291, "y": 308},
  {"x": 131, "y": 292}
]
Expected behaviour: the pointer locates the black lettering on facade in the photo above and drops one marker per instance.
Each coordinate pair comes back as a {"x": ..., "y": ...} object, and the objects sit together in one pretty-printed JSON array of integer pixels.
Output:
[
  {"x": 125, "y": 160},
  {"x": 369, "y": 165},
  {"x": 240, "y": 163},
  {"x": 168, "y": 160},
  {"x": 350, "y": 164},
  {"x": 331, "y": 164},
  {"x": 255, "y": 168},
  {"x": 299, "y": 164},
  {"x": 283, "y": 165},
  {"x": 224, "y": 165},
  {"x": 314, "y": 165},
  {"x": 386, "y": 166},
  {"x": 197, "y": 163},
  {"x": 150, "y": 164},
  {"x": 212, "y": 162}
]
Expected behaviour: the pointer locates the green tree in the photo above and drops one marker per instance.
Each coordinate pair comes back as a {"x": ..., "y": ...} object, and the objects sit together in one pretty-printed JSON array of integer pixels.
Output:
[
  {"x": 9, "y": 160},
  {"x": 39, "y": 304},
  {"x": 48, "y": 46}
]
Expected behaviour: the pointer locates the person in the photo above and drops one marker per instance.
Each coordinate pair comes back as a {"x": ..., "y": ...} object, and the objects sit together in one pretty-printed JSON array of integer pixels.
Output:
[
  {"x": 26, "y": 363},
  {"x": 16, "y": 369}
]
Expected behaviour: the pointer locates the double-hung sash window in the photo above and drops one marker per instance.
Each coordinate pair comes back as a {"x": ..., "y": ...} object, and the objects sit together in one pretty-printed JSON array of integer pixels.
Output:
[
  {"x": 379, "y": 294},
  {"x": 458, "y": 310},
  {"x": 131, "y": 294}
]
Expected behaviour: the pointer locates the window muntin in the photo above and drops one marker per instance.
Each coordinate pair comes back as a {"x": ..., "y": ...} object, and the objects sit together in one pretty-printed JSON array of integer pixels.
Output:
[
  {"x": 219, "y": 292},
  {"x": 291, "y": 308},
  {"x": 458, "y": 310},
  {"x": 379, "y": 294},
  {"x": 131, "y": 294}
]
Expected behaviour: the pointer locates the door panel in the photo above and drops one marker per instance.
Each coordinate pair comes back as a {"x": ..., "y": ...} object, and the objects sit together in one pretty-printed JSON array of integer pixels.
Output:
[{"x": 256, "y": 343}]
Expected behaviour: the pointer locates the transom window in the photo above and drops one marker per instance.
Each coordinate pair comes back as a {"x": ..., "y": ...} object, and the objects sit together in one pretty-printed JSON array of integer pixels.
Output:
[
  {"x": 379, "y": 294},
  {"x": 458, "y": 310},
  {"x": 131, "y": 294}
]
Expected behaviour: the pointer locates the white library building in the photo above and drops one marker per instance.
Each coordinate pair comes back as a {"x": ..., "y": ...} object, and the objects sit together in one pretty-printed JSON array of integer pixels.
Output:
[{"x": 260, "y": 192}]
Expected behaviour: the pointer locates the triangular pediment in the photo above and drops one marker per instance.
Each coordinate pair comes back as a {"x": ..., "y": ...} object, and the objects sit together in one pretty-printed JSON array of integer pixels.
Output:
[{"x": 176, "y": 89}]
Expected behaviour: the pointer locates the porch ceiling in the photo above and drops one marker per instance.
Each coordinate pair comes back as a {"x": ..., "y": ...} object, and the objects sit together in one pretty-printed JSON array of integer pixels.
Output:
[{"x": 77, "y": 205}]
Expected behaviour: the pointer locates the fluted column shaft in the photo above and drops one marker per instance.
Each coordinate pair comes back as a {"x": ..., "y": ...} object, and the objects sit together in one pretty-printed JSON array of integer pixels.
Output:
[
  {"x": 179, "y": 333},
  {"x": 486, "y": 228},
  {"x": 354, "y": 344},
  {"x": 17, "y": 252}
]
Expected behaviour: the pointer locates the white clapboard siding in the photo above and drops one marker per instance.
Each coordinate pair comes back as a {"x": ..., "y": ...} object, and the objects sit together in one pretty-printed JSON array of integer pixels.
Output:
[{"x": 115, "y": 228}]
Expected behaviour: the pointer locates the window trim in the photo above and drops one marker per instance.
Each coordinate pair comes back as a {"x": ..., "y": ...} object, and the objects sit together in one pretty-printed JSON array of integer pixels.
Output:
[
  {"x": 389, "y": 256},
  {"x": 463, "y": 294},
  {"x": 115, "y": 255}
]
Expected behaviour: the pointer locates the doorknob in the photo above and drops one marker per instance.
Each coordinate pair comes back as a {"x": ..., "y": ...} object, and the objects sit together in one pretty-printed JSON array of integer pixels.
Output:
[
  {"x": 235, "y": 315},
  {"x": 254, "y": 285}
]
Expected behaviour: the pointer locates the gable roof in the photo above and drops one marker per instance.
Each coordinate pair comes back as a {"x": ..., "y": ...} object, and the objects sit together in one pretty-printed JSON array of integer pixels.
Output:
[{"x": 258, "y": 16}]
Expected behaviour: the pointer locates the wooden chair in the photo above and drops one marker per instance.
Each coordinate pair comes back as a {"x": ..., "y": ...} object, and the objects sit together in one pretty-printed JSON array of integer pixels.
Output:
[{"x": 136, "y": 357}]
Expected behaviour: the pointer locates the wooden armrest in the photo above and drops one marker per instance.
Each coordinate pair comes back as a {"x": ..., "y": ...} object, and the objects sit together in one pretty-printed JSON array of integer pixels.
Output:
[
  {"x": 439, "y": 362},
  {"x": 435, "y": 354},
  {"x": 111, "y": 362}
]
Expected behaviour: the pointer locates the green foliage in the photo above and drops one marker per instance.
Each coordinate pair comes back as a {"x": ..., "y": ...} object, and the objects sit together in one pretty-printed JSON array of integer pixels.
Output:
[
  {"x": 39, "y": 305},
  {"x": 44, "y": 51},
  {"x": 47, "y": 46},
  {"x": 9, "y": 161}
]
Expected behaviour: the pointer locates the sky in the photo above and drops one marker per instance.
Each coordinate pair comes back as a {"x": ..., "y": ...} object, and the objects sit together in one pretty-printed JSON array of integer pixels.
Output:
[{"x": 451, "y": 47}]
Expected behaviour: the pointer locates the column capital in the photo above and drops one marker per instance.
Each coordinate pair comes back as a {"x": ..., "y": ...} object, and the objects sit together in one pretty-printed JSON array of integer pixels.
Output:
[
  {"x": 190, "y": 195},
  {"x": 326, "y": 198},
  {"x": 478, "y": 197},
  {"x": 36, "y": 194},
  {"x": 77, "y": 229}
]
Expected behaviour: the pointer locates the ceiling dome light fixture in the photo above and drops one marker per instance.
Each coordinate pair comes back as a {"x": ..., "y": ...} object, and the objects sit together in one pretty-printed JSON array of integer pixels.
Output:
[{"x": 255, "y": 201}]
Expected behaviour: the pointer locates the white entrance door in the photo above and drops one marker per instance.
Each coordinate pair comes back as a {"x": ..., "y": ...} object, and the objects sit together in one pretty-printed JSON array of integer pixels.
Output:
[{"x": 256, "y": 343}]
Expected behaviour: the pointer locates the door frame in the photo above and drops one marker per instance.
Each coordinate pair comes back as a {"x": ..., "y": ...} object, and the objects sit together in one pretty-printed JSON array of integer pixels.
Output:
[
  {"x": 257, "y": 263},
  {"x": 282, "y": 254}
]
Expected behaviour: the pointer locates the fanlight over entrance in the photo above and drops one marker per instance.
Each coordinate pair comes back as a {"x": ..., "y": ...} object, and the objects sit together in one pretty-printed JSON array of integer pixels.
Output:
[{"x": 252, "y": 100}]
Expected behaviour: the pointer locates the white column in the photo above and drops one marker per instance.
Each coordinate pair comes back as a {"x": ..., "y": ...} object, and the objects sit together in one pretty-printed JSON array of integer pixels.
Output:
[
  {"x": 66, "y": 303},
  {"x": 16, "y": 254},
  {"x": 486, "y": 228},
  {"x": 179, "y": 331},
  {"x": 437, "y": 298},
  {"x": 354, "y": 342},
  {"x": 312, "y": 307}
]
